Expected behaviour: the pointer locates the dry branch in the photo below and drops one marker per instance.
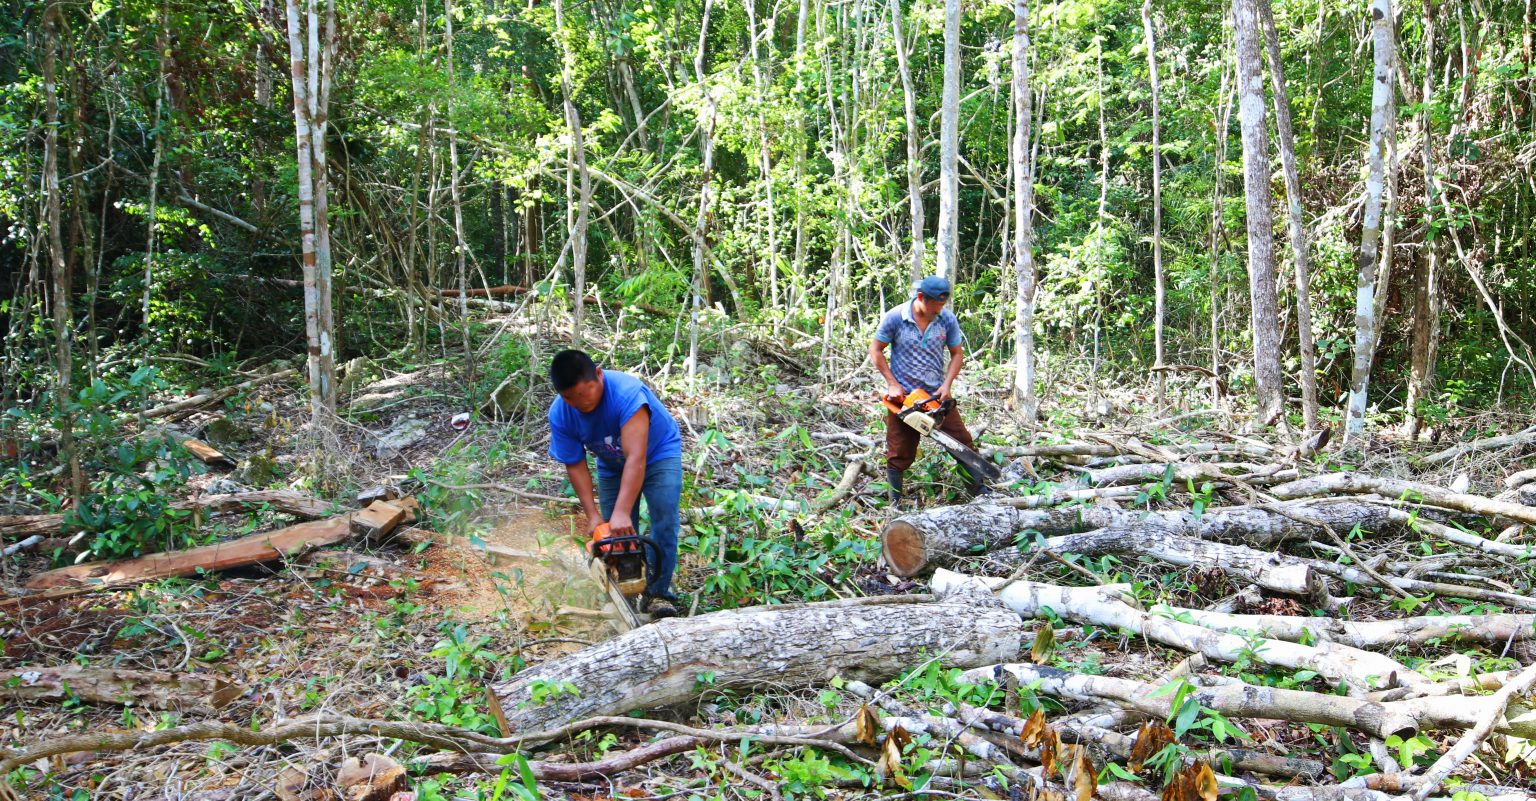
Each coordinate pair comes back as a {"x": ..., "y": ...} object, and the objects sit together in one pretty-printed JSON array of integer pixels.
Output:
[
  {"x": 1517, "y": 440},
  {"x": 1181, "y": 473},
  {"x": 289, "y": 502},
  {"x": 1103, "y": 606},
  {"x": 662, "y": 664},
  {"x": 210, "y": 398},
  {"x": 1427, "y": 494},
  {"x": 1237, "y": 699},
  {"x": 1492, "y": 715}
]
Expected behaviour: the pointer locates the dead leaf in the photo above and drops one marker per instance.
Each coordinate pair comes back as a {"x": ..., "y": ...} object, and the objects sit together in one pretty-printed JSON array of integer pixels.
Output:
[
  {"x": 1151, "y": 738},
  {"x": 290, "y": 783},
  {"x": 1045, "y": 644},
  {"x": 1034, "y": 729},
  {"x": 890, "y": 757},
  {"x": 1084, "y": 782},
  {"x": 1203, "y": 781},
  {"x": 1049, "y": 744},
  {"x": 866, "y": 725}
]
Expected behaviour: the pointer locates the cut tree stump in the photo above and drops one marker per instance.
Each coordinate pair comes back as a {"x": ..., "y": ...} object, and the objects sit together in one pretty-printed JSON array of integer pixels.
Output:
[
  {"x": 942, "y": 536},
  {"x": 153, "y": 689},
  {"x": 208, "y": 454},
  {"x": 254, "y": 549},
  {"x": 673, "y": 660}
]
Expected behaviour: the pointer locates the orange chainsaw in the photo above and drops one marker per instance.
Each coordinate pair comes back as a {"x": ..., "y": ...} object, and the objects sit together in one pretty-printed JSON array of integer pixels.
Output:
[
  {"x": 924, "y": 413},
  {"x": 622, "y": 571}
]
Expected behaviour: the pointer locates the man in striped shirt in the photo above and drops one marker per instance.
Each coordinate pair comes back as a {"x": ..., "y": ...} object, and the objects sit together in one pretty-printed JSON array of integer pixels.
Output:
[{"x": 919, "y": 332}]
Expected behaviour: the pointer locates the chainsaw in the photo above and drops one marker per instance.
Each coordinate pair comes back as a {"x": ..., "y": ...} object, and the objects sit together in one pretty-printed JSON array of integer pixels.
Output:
[
  {"x": 924, "y": 413},
  {"x": 618, "y": 563}
]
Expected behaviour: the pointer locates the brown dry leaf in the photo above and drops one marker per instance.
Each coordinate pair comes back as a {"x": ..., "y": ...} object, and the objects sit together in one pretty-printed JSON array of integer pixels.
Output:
[
  {"x": 1150, "y": 739},
  {"x": 1045, "y": 644},
  {"x": 290, "y": 783},
  {"x": 890, "y": 757},
  {"x": 1178, "y": 789},
  {"x": 866, "y": 725},
  {"x": 1203, "y": 781},
  {"x": 1049, "y": 743},
  {"x": 1084, "y": 777},
  {"x": 1034, "y": 729}
]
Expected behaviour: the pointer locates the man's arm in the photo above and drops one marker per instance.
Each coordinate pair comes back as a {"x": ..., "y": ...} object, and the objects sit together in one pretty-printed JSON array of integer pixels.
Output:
[
  {"x": 635, "y": 438},
  {"x": 877, "y": 355},
  {"x": 956, "y": 359},
  {"x": 581, "y": 482}
]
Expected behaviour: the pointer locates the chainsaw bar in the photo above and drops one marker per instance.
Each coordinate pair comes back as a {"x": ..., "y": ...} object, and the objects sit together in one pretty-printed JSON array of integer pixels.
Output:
[{"x": 974, "y": 463}]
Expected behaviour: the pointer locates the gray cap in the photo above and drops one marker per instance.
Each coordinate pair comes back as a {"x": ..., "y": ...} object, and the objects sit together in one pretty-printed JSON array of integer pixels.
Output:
[{"x": 934, "y": 286}]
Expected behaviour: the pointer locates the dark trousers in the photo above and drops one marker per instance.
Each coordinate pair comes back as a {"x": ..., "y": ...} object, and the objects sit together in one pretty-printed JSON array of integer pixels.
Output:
[
  {"x": 901, "y": 440},
  {"x": 662, "y": 492}
]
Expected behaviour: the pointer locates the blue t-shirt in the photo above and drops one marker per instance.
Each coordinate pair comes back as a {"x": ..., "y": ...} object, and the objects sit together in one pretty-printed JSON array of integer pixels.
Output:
[
  {"x": 572, "y": 434},
  {"x": 917, "y": 356}
]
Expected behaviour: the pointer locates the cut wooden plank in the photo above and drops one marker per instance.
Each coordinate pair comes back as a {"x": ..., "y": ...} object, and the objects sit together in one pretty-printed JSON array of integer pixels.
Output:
[
  {"x": 377, "y": 521},
  {"x": 153, "y": 689},
  {"x": 207, "y": 453},
  {"x": 254, "y": 549},
  {"x": 412, "y": 509},
  {"x": 376, "y": 493},
  {"x": 289, "y": 502}
]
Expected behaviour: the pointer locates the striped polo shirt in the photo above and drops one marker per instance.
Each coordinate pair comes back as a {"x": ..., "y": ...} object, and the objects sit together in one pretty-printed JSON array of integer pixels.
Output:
[{"x": 917, "y": 356}]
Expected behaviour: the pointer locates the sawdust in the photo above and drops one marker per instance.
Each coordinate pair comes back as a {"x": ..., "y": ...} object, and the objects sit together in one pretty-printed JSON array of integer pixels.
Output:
[{"x": 526, "y": 566}]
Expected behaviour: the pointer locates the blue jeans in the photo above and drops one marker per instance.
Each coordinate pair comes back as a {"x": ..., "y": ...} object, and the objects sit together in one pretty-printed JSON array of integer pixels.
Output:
[{"x": 663, "y": 493}]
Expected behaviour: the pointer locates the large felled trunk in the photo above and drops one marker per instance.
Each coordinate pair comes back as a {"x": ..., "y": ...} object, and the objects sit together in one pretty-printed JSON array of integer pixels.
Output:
[
  {"x": 940, "y": 536},
  {"x": 670, "y": 661}
]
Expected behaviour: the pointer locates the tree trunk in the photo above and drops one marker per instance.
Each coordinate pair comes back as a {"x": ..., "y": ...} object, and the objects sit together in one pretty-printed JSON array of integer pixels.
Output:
[
  {"x": 1426, "y": 290},
  {"x": 1159, "y": 280},
  {"x": 60, "y": 267},
  {"x": 949, "y": 145},
  {"x": 671, "y": 661},
  {"x": 583, "y": 177},
  {"x": 498, "y": 232},
  {"x": 944, "y": 535},
  {"x": 461, "y": 247},
  {"x": 1023, "y": 220},
  {"x": 1370, "y": 232},
  {"x": 306, "y": 69},
  {"x": 1264, "y": 308},
  {"x": 768, "y": 209},
  {"x": 1300, "y": 252},
  {"x": 914, "y": 143},
  {"x": 701, "y": 228}
]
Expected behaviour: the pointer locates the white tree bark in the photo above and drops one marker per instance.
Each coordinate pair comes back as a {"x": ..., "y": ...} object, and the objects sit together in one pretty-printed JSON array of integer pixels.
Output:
[
  {"x": 1264, "y": 308},
  {"x": 949, "y": 144},
  {"x": 1426, "y": 494},
  {"x": 1237, "y": 699},
  {"x": 1104, "y": 606},
  {"x": 1382, "y": 109},
  {"x": 578, "y": 148},
  {"x": 308, "y": 62},
  {"x": 666, "y": 662},
  {"x": 914, "y": 144},
  {"x": 706, "y": 196},
  {"x": 1023, "y": 221}
]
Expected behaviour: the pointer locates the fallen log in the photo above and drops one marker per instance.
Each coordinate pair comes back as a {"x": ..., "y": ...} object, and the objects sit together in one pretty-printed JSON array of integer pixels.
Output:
[
  {"x": 1404, "y": 719},
  {"x": 1181, "y": 473},
  {"x": 671, "y": 661},
  {"x": 1271, "y": 571},
  {"x": 254, "y": 549},
  {"x": 210, "y": 398},
  {"x": 1103, "y": 606},
  {"x": 1383, "y": 634},
  {"x": 943, "y": 535},
  {"x": 1517, "y": 440},
  {"x": 154, "y": 689},
  {"x": 1517, "y": 480},
  {"x": 1426, "y": 494},
  {"x": 288, "y": 502}
]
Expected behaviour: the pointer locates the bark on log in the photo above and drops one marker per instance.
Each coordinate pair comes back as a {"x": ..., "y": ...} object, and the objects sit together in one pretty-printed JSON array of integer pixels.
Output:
[
  {"x": 210, "y": 398},
  {"x": 147, "y": 688},
  {"x": 1237, "y": 699},
  {"x": 662, "y": 664},
  {"x": 1103, "y": 606},
  {"x": 289, "y": 502},
  {"x": 1521, "y": 439},
  {"x": 1372, "y": 634},
  {"x": 1426, "y": 494},
  {"x": 1180, "y": 473},
  {"x": 1271, "y": 571},
  {"x": 254, "y": 549},
  {"x": 945, "y": 534}
]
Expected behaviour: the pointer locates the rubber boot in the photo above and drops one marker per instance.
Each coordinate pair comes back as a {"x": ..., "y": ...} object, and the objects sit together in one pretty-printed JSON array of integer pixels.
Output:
[{"x": 893, "y": 479}]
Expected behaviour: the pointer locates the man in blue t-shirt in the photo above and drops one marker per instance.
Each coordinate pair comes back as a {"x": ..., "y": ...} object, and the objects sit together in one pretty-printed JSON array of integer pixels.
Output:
[
  {"x": 919, "y": 332},
  {"x": 620, "y": 421}
]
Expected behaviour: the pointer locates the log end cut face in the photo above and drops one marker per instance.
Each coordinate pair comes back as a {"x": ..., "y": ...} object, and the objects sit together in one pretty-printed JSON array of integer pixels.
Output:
[{"x": 905, "y": 548}]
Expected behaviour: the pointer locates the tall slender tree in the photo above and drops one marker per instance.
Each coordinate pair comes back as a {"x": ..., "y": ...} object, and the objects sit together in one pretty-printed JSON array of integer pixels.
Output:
[
  {"x": 1159, "y": 288},
  {"x": 949, "y": 144},
  {"x": 706, "y": 197},
  {"x": 1426, "y": 289},
  {"x": 1382, "y": 109},
  {"x": 914, "y": 142},
  {"x": 1023, "y": 223},
  {"x": 578, "y": 157},
  {"x": 59, "y": 262},
  {"x": 1264, "y": 305},
  {"x": 311, "y": 73},
  {"x": 1300, "y": 255}
]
